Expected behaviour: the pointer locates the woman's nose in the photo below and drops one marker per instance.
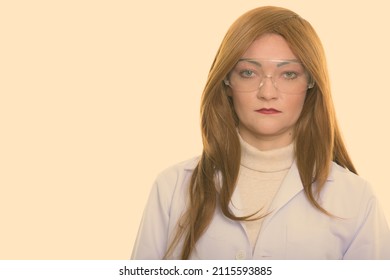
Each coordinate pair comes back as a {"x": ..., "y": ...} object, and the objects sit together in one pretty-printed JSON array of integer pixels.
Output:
[{"x": 267, "y": 89}]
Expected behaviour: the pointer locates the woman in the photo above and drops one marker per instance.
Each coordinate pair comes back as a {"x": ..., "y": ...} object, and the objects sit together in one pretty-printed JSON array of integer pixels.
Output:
[{"x": 274, "y": 180}]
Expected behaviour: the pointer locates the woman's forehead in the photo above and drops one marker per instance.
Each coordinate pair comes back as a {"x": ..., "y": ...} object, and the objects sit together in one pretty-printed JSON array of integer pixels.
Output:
[{"x": 270, "y": 46}]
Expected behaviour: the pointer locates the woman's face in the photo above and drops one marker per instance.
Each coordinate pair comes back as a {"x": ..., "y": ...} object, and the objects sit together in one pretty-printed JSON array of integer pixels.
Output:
[{"x": 266, "y": 114}]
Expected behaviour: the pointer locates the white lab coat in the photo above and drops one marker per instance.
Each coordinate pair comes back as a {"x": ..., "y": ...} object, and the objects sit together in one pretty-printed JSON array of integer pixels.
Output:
[{"x": 293, "y": 230}]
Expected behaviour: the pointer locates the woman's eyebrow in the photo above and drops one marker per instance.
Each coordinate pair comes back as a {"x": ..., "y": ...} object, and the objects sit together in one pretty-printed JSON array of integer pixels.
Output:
[
  {"x": 252, "y": 61},
  {"x": 282, "y": 63}
]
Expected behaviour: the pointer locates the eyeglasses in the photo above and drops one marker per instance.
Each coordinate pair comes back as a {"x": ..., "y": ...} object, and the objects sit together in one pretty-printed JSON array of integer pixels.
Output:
[{"x": 289, "y": 76}]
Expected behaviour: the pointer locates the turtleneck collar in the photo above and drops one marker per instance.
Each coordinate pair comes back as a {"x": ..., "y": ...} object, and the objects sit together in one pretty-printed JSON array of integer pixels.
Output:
[{"x": 266, "y": 161}]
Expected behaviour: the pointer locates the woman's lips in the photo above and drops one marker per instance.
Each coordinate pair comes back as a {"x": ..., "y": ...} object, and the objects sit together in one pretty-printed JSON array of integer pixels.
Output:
[{"x": 268, "y": 111}]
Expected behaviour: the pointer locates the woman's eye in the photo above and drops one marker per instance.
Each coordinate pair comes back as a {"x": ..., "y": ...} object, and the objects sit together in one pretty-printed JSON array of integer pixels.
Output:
[
  {"x": 247, "y": 73},
  {"x": 290, "y": 75}
]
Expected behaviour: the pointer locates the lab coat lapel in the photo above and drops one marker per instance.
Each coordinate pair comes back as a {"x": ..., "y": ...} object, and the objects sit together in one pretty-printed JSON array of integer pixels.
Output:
[
  {"x": 236, "y": 205},
  {"x": 290, "y": 187}
]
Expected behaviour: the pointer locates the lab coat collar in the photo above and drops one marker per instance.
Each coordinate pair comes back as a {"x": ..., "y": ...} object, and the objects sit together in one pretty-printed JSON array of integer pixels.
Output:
[
  {"x": 191, "y": 164},
  {"x": 290, "y": 187}
]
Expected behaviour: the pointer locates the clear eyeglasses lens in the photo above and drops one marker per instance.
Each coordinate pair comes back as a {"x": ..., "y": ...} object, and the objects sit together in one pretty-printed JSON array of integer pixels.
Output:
[{"x": 287, "y": 77}]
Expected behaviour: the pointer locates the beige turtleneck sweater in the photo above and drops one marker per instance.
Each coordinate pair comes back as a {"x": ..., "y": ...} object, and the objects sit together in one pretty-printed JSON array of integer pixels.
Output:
[{"x": 261, "y": 174}]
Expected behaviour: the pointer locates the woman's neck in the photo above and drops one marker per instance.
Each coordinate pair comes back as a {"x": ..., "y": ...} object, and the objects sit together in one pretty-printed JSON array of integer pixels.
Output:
[
  {"x": 266, "y": 142},
  {"x": 274, "y": 160}
]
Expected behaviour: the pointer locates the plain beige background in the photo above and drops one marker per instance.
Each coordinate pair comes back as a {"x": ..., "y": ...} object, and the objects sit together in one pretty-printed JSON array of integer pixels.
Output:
[{"x": 97, "y": 97}]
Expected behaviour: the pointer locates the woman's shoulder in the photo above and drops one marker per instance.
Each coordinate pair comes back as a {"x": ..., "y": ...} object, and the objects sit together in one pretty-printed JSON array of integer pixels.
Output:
[
  {"x": 338, "y": 172},
  {"x": 175, "y": 177},
  {"x": 347, "y": 182},
  {"x": 186, "y": 166}
]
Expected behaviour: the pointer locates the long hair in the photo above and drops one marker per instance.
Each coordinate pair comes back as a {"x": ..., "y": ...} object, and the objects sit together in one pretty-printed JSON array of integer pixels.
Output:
[{"x": 317, "y": 138}]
